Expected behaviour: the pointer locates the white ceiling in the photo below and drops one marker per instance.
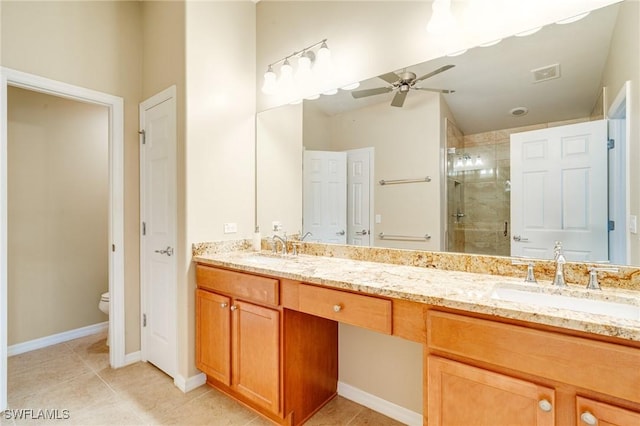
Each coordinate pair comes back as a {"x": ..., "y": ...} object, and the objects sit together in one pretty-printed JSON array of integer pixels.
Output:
[{"x": 490, "y": 81}]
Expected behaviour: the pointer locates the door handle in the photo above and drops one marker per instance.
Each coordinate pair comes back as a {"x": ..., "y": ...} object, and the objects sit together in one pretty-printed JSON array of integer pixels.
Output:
[
  {"x": 519, "y": 239},
  {"x": 168, "y": 251},
  {"x": 363, "y": 232},
  {"x": 340, "y": 233}
]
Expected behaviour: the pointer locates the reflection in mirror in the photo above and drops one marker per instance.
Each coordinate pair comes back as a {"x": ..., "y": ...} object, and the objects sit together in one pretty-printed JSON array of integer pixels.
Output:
[{"x": 547, "y": 83}]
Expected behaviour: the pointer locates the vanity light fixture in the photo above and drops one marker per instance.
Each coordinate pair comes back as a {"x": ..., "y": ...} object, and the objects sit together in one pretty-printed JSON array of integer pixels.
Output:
[
  {"x": 351, "y": 86},
  {"x": 528, "y": 32},
  {"x": 442, "y": 20},
  {"x": 572, "y": 19},
  {"x": 308, "y": 79}
]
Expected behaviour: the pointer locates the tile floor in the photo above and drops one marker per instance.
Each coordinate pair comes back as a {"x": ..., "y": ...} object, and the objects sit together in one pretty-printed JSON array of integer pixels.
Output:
[{"x": 76, "y": 376}]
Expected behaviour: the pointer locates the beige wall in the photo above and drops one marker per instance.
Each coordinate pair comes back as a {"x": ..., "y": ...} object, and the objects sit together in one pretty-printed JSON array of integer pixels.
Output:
[
  {"x": 407, "y": 146},
  {"x": 220, "y": 149},
  {"x": 58, "y": 187},
  {"x": 279, "y": 141},
  {"x": 96, "y": 45},
  {"x": 623, "y": 65}
]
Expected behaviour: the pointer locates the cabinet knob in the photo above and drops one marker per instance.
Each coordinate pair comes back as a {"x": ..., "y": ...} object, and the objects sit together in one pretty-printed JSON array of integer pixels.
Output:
[
  {"x": 337, "y": 308},
  {"x": 545, "y": 405},
  {"x": 224, "y": 305},
  {"x": 588, "y": 418},
  {"x": 233, "y": 307}
]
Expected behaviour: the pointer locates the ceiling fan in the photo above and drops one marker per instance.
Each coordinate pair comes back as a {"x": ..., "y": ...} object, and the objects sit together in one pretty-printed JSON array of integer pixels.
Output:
[{"x": 402, "y": 82}]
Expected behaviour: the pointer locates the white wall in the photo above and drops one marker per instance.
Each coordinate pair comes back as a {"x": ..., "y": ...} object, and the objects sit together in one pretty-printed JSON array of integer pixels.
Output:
[
  {"x": 279, "y": 142},
  {"x": 58, "y": 205},
  {"x": 220, "y": 108}
]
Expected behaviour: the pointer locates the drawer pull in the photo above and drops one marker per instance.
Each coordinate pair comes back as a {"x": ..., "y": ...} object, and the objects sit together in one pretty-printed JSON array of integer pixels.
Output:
[
  {"x": 233, "y": 307},
  {"x": 545, "y": 405},
  {"x": 337, "y": 308},
  {"x": 588, "y": 418},
  {"x": 224, "y": 305}
]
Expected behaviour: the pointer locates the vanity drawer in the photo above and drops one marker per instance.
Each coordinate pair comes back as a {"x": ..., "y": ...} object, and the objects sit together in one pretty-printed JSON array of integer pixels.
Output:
[
  {"x": 238, "y": 284},
  {"x": 599, "y": 366},
  {"x": 355, "y": 309}
]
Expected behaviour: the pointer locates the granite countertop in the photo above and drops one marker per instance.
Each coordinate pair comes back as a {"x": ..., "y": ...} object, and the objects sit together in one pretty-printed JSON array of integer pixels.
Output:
[{"x": 452, "y": 289}]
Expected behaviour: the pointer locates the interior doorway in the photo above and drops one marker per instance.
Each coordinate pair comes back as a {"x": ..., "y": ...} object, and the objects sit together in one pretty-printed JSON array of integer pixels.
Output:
[{"x": 9, "y": 77}]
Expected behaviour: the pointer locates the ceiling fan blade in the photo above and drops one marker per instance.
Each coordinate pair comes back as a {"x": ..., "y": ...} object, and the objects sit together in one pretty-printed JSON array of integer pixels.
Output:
[
  {"x": 398, "y": 99},
  {"x": 445, "y": 91},
  {"x": 438, "y": 71},
  {"x": 390, "y": 77},
  {"x": 370, "y": 92}
]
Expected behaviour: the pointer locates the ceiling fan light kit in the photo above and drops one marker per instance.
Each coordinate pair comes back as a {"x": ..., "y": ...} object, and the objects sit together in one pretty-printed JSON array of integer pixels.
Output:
[{"x": 311, "y": 77}]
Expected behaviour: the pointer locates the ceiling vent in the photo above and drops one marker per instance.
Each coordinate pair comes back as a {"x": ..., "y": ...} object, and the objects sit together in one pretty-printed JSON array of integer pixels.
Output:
[{"x": 546, "y": 73}]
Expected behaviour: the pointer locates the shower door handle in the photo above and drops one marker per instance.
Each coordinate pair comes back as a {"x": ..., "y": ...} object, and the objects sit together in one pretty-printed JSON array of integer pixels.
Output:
[{"x": 519, "y": 239}]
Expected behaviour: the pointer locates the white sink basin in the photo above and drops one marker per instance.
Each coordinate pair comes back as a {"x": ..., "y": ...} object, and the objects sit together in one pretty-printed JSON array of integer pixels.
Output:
[
  {"x": 623, "y": 308},
  {"x": 265, "y": 259}
]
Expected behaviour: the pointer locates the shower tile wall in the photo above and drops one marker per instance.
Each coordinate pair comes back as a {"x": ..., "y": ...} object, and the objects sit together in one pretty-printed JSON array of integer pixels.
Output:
[
  {"x": 455, "y": 193},
  {"x": 486, "y": 195}
]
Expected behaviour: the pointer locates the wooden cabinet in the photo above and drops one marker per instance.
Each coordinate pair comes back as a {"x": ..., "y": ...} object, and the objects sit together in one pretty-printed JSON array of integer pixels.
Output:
[
  {"x": 238, "y": 344},
  {"x": 461, "y": 395},
  {"x": 213, "y": 335},
  {"x": 590, "y": 412},
  {"x": 281, "y": 363},
  {"x": 506, "y": 374},
  {"x": 255, "y": 351}
]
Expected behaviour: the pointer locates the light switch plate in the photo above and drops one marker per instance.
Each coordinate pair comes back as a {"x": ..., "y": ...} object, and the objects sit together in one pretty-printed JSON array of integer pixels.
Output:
[
  {"x": 230, "y": 228},
  {"x": 378, "y": 218},
  {"x": 633, "y": 224}
]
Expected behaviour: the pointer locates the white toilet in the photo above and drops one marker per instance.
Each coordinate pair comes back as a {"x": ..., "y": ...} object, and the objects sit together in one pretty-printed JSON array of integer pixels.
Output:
[{"x": 104, "y": 307}]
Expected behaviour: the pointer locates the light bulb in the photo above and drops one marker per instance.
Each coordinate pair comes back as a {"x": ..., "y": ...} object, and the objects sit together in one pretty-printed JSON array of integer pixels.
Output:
[
  {"x": 270, "y": 82},
  {"x": 479, "y": 161},
  {"x": 285, "y": 82},
  {"x": 351, "y": 86},
  {"x": 324, "y": 54},
  {"x": 442, "y": 20}
]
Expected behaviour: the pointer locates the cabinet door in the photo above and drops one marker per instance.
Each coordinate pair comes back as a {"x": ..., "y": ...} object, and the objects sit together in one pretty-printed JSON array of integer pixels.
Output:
[
  {"x": 256, "y": 354},
  {"x": 462, "y": 395},
  {"x": 590, "y": 412},
  {"x": 213, "y": 335}
]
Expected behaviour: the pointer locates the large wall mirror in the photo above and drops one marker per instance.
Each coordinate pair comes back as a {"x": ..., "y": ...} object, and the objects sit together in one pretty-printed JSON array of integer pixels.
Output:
[{"x": 468, "y": 163}]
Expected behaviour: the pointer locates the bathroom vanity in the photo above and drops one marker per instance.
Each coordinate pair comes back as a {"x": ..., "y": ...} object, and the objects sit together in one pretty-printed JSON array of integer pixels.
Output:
[{"x": 267, "y": 336}]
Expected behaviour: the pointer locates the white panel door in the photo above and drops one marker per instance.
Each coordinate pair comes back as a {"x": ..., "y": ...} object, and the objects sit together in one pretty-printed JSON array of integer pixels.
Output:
[
  {"x": 559, "y": 192},
  {"x": 324, "y": 196},
  {"x": 158, "y": 214},
  {"x": 359, "y": 196}
]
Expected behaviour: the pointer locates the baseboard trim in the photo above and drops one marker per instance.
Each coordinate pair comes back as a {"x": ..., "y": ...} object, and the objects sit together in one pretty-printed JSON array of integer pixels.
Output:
[
  {"x": 187, "y": 385},
  {"x": 54, "y": 339},
  {"x": 380, "y": 405},
  {"x": 132, "y": 358}
]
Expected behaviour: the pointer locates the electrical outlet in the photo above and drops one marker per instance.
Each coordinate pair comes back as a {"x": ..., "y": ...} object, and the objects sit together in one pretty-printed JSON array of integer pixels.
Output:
[
  {"x": 276, "y": 226},
  {"x": 633, "y": 224},
  {"x": 378, "y": 218},
  {"x": 230, "y": 228}
]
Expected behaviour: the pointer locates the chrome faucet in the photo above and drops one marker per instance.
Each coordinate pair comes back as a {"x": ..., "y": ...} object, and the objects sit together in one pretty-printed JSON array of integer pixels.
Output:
[
  {"x": 277, "y": 238},
  {"x": 560, "y": 260},
  {"x": 593, "y": 277}
]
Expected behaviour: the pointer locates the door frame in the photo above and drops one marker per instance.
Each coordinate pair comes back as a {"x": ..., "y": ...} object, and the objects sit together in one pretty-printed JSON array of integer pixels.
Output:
[
  {"x": 115, "y": 105},
  {"x": 163, "y": 96},
  {"x": 620, "y": 109}
]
